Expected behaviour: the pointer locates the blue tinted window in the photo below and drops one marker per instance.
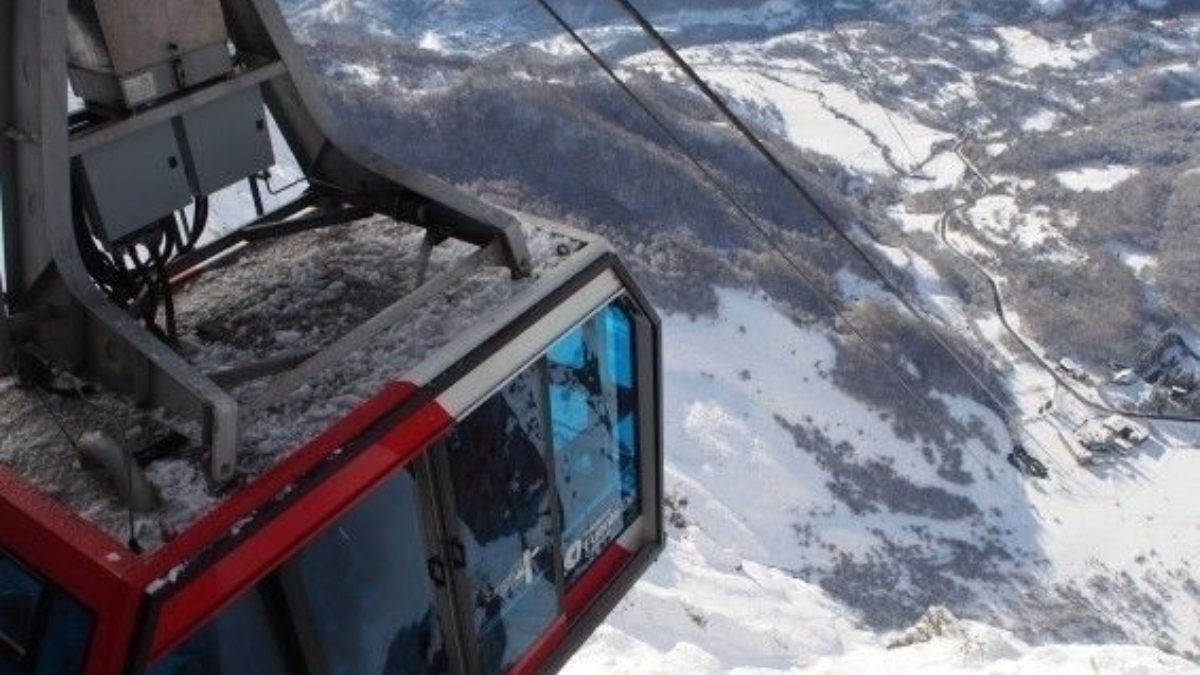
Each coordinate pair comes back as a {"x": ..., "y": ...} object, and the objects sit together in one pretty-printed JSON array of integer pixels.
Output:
[
  {"x": 559, "y": 439},
  {"x": 593, "y": 415},
  {"x": 569, "y": 350},
  {"x": 364, "y": 585},
  {"x": 238, "y": 642},
  {"x": 571, "y": 418},
  {"x": 619, "y": 333}
]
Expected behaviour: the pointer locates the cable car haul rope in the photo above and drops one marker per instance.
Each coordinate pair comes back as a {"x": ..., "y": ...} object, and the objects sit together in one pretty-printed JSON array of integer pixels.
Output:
[{"x": 825, "y": 218}]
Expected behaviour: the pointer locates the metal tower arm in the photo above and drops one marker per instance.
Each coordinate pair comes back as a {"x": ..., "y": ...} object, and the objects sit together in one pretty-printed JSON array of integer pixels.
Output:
[{"x": 69, "y": 181}]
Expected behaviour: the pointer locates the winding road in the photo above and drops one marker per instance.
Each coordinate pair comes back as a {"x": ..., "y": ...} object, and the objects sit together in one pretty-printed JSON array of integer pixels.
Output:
[{"x": 1067, "y": 384}]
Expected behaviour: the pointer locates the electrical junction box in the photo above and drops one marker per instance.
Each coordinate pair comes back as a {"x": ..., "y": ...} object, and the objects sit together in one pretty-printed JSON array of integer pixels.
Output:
[
  {"x": 226, "y": 141},
  {"x": 136, "y": 180},
  {"x": 127, "y": 53}
]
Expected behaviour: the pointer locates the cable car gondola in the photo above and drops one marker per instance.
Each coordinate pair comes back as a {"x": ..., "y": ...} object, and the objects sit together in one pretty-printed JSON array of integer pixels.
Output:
[{"x": 380, "y": 428}]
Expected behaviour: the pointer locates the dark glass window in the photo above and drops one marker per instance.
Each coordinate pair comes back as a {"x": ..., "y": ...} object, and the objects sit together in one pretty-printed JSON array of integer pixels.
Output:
[
  {"x": 42, "y": 630},
  {"x": 593, "y": 417},
  {"x": 363, "y": 585},
  {"x": 501, "y": 487},
  {"x": 63, "y": 649},
  {"x": 238, "y": 642},
  {"x": 19, "y": 597}
]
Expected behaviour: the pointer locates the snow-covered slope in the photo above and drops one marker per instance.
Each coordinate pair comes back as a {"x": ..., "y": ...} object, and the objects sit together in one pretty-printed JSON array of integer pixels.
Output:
[
  {"x": 750, "y": 509},
  {"x": 475, "y": 26},
  {"x": 1096, "y": 553},
  {"x": 810, "y": 527}
]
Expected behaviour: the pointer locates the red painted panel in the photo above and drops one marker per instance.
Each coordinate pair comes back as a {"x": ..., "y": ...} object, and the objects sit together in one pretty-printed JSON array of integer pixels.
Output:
[
  {"x": 79, "y": 559},
  {"x": 110, "y": 580},
  {"x": 249, "y": 499},
  {"x": 264, "y": 551},
  {"x": 113, "y": 636}
]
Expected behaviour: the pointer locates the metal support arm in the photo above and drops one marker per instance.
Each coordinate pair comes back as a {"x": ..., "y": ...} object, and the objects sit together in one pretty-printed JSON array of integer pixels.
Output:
[
  {"x": 335, "y": 157},
  {"x": 82, "y": 330},
  {"x": 87, "y": 332}
]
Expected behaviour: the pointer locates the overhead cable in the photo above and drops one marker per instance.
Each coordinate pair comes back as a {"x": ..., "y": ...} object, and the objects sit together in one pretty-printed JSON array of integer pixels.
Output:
[
  {"x": 825, "y": 216},
  {"x": 826, "y": 298}
]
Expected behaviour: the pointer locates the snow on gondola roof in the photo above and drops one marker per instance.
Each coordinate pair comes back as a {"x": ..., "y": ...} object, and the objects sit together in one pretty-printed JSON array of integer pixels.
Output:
[{"x": 293, "y": 295}]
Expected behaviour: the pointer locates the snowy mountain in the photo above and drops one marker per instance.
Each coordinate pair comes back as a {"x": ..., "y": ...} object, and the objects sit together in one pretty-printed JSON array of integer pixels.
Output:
[
  {"x": 477, "y": 27},
  {"x": 839, "y": 481},
  {"x": 468, "y": 25}
]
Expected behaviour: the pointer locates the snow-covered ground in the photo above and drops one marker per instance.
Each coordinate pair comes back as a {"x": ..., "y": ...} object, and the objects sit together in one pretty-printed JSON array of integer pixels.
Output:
[
  {"x": 1027, "y": 50},
  {"x": 817, "y": 114},
  {"x": 1096, "y": 179}
]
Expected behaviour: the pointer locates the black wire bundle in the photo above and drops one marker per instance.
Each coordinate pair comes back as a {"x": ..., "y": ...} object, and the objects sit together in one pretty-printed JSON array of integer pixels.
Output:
[{"x": 133, "y": 271}]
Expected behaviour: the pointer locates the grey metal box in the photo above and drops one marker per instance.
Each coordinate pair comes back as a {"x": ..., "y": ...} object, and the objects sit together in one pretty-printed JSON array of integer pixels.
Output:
[
  {"x": 195, "y": 67},
  {"x": 191, "y": 68},
  {"x": 126, "y": 53},
  {"x": 136, "y": 180},
  {"x": 142, "y": 34},
  {"x": 226, "y": 141}
]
